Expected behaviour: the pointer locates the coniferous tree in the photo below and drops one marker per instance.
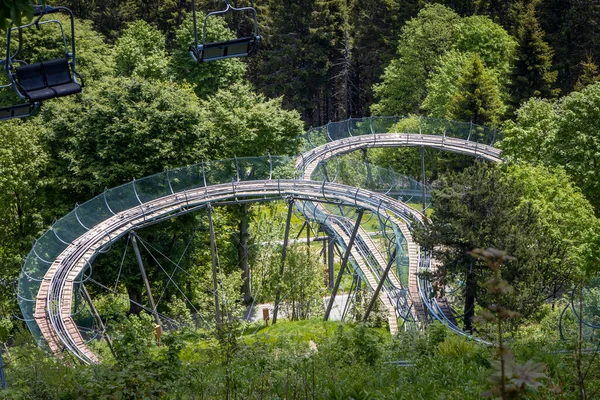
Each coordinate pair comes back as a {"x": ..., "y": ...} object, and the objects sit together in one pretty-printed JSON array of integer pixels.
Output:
[
  {"x": 375, "y": 28},
  {"x": 290, "y": 64},
  {"x": 589, "y": 74},
  {"x": 331, "y": 32},
  {"x": 477, "y": 99},
  {"x": 532, "y": 74}
]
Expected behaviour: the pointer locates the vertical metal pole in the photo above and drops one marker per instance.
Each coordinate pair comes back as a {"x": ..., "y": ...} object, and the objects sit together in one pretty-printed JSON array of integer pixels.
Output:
[
  {"x": 136, "y": 250},
  {"x": 344, "y": 262},
  {"x": 283, "y": 254},
  {"x": 331, "y": 260},
  {"x": 308, "y": 239},
  {"x": 88, "y": 298},
  {"x": 213, "y": 252},
  {"x": 2, "y": 376},
  {"x": 380, "y": 285},
  {"x": 368, "y": 166},
  {"x": 423, "y": 176}
]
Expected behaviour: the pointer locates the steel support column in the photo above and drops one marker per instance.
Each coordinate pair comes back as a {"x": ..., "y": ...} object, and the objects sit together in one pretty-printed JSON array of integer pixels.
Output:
[
  {"x": 138, "y": 256},
  {"x": 88, "y": 298},
  {"x": 330, "y": 260},
  {"x": 423, "y": 176},
  {"x": 213, "y": 252},
  {"x": 344, "y": 263},
  {"x": 380, "y": 285},
  {"x": 283, "y": 254}
]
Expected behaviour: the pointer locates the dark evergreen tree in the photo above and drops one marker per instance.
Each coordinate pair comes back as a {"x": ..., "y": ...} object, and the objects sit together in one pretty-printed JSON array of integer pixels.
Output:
[
  {"x": 573, "y": 31},
  {"x": 588, "y": 75},
  {"x": 532, "y": 74},
  {"x": 477, "y": 99},
  {"x": 375, "y": 28},
  {"x": 331, "y": 31},
  {"x": 290, "y": 64}
]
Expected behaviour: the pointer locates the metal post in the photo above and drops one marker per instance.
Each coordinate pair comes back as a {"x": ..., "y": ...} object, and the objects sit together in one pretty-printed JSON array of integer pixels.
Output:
[
  {"x": 2, "y": 376},
  {"x": 213, "y": 252},
  {"x": 423, "y": 176},
  {"x": 344, "y": 262},
  {"x": 283, "y": 254},
  {"x": 330, "y": 260},
  {"x": 88, "y": 298},
  {"x": 308, "y": 232},
  {"x": 136, "y": 250},
  {"x": 380, "y": 285},
  {"x": 368, "y": 166}
]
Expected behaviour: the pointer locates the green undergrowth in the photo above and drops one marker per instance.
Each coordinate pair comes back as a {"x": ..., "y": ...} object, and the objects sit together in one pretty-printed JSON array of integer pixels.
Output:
[{"x": 310, "y": 359}]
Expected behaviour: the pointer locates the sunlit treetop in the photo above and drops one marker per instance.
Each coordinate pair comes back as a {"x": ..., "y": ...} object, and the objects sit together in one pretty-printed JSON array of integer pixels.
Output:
[{"x": 16, "y": 11}]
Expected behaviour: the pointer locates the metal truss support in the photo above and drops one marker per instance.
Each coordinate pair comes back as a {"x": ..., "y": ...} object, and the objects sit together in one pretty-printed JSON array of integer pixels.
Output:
[
  {"x": 330, "y": 260},
  {"x": 351, "y": 295},
  {"x": 368, "y": 166},
  {"x": 283, "y": 254},
  {"x": 88, "y": 298},
  {"x": 138, "y": 256},
  {"x": 423, "y": 177},
  {"x": 380, "y": 285},
  {"x": 213, "y": 252},
  {"x": 344, "y": 263}
]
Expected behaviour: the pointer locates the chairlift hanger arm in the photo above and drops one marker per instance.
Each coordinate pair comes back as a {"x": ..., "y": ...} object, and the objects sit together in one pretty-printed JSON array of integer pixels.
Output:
[{"x": 240, "y": 47}]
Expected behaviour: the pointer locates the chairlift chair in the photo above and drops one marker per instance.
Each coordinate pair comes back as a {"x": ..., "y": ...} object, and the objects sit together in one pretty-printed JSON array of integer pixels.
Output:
[
  {"x": 42, "y": 80},
  {"x": 240, "y": 47}
]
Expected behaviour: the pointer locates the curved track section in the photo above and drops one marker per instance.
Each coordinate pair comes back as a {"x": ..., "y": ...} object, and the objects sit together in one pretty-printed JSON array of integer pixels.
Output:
[
  {"x": 54, "y": 300},
  {"x": 309, "y": 160},
  {"x": 64, "y": 254}
]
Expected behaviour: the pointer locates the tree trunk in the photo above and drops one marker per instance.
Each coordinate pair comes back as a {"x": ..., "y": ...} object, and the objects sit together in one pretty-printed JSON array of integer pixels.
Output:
[{"x": 135, "y": 296}]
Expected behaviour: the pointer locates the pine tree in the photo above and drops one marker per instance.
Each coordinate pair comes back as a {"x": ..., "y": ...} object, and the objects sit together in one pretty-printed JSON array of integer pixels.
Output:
[
  {"x": 532, "y": 74},
  {"x": 589, "y": 74},
  {"x": 331, "y": 31},
  {"x": 375, "y": 28},
  {"x": 477, "y": 99}
]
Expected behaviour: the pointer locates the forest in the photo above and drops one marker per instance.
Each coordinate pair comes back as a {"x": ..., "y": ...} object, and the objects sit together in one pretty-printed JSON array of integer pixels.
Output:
[{"x": 505, "y": 299}]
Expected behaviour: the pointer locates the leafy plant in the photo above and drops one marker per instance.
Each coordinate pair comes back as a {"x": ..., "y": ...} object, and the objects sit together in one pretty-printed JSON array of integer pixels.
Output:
[{"x": 509, "y": 380}]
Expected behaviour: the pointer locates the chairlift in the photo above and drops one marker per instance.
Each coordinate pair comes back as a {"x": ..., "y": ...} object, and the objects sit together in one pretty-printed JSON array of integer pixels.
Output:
[
  {"x": 240, "y": 47},
  {"x": 42, "y": 80}
]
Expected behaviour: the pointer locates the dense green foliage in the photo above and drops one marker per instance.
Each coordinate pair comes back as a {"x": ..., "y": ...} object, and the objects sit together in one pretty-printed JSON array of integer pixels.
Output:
[{"x": 146, "y": 107}]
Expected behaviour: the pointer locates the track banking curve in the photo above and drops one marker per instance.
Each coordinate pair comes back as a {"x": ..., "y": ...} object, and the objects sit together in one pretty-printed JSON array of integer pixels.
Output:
[{"x": 61, "y": 257}]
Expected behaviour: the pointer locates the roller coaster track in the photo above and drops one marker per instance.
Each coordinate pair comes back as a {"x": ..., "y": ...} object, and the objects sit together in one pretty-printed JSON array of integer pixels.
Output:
[
  {"x": 308, "y": 162},
  {"x": 53, "y": 303}
]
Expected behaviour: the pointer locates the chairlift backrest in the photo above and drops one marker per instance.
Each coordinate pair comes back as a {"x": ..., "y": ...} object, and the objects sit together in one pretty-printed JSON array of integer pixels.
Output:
[{"x": 240, "y": 47}]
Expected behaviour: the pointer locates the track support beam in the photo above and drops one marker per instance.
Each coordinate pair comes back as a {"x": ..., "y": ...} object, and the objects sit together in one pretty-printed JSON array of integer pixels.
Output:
[
  {"x": 423, "y": 177},
  {"x": 138, "y": 256},
  {"x": 344, "y": 263},
  {"x": 283, "y": 254},
  {"x": 88, "y": 298},
  {"x": 380, "y": 285},
  {"x": 213, "y": 252}
]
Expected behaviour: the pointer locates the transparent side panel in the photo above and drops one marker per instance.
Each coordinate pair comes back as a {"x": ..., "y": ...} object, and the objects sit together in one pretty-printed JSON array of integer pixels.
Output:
[
  {"x": 93, "y": 212},
  {"x": 69, "y": 227},
  {"x": 121, "y": 198},
  {"x": 253, "y": 168},
  {"x": 186, "y": 178},
  {"x": 48, "y": 247},
  {"x": 383, "y": 124},
  {"x": 153, "y": 187},
  {"x": 218, "y": 172},
  {"x": 359, "y": 126}
]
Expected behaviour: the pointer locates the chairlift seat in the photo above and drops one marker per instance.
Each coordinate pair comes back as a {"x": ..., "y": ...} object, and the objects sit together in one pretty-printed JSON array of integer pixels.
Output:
[
  {"x": 240, "y": 47},
  {"x": 58, "y": 77},
  {"x": 17, "y": 111},
  {"x": 47, "y": 80}
]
